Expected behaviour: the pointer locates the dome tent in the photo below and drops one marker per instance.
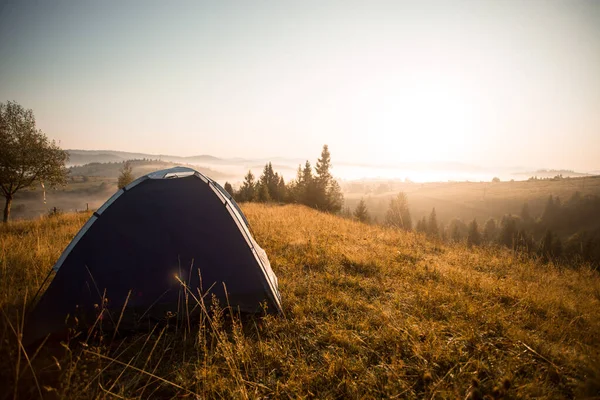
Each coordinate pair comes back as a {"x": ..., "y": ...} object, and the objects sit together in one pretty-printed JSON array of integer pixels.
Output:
[{"x": 165, "y": 228}]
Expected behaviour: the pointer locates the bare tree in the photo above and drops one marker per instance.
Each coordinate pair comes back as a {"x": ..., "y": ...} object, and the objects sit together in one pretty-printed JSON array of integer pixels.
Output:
[
  {"x": 26, "y": 154},
  {"x": 398, "y": 215}
]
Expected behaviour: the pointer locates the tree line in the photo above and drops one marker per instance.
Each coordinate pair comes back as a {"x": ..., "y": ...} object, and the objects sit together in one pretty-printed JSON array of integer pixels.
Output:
[
  {"x": 317, "y": 189},
  {"x": 564, "y": 232}
]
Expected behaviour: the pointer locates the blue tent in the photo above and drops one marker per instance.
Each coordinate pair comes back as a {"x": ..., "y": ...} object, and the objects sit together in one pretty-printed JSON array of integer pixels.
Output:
[{"x": 165, "y": 234}]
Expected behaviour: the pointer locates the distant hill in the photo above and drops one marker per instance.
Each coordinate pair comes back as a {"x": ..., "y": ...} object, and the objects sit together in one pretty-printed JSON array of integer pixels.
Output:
[
  {"x": 81, "y": 157},
  {"x": 551, "y": 173},
  {"x": 77, "y": 158},
  {"x": 140, "y": 167}
]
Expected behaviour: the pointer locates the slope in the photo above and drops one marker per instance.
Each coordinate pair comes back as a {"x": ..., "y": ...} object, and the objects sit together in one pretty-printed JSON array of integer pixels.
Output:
[{"x": 369, "y": 312}]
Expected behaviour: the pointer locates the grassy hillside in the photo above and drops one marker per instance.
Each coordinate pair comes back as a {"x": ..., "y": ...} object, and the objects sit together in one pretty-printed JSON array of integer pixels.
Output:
[{"x": 369, "y": 312}]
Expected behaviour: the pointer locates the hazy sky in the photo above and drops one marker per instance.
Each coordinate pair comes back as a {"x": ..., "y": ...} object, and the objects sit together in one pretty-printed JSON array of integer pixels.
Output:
[{"x": 490, "y": 83}]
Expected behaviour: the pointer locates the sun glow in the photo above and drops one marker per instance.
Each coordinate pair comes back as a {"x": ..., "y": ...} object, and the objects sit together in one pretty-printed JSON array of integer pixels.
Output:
[{"x": 426, "y": 118}]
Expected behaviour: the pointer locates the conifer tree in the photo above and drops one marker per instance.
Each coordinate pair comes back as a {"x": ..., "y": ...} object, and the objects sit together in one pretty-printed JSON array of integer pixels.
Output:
[
  {"x": 474, "y": 237},
  {"x": 270, "y": 180},
  {"x": 457, "y": 229},
  {"x": 229, "y": 189},
  {"x": 322, "y": 180},
  {"x": 361, "y": 212},
  {"x": 268, "y": 173},
  {"x": 335, "y": 198},
  {"x": 524, "y": 241},
  {"x": 432, "y": 225},
  {"x": 307, "y": 195},
  {"x": 422, "y": 225},
  {"x": 295, "y": 187},
  {"x": 489, "y": 231},
  {"x": 248, "y": 190},
  {"x": 508, "y": 231},
  {"x": 282, "y": 194},
  {"x": 323, "y": 174},
  {"x": 263, "y": 195}
]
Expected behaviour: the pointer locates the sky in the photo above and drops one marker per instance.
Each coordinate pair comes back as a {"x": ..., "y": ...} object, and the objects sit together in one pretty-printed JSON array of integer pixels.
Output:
[{"x": 503, "y": 83}]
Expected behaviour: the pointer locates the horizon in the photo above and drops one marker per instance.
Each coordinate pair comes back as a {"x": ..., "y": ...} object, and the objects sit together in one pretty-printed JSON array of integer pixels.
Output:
[
  {"x": 235, "y": 168},
  {"x": 486, "y": 84},
  {"x": 346, "y": 162}
]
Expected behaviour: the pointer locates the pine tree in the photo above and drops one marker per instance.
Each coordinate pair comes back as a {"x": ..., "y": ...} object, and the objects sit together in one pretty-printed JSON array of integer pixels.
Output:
[
  {"x": 229, "y": 189},
  {"x": 489, "y": 231},
  {"x": 474, "y": 237},
  {"x": 263, "y": 195},
  {"x": 295, "y": 187},
  {"x": 307, "y": 195},
  {"x": 398, "y": 214},
  {"x": 508, "y": 231},
  {"x": 318, "y": 190},
  {"x": 282, "y": 194},
  {"x": 422, "y": 225},
  {"x": 335, "y": 198},
  {"x": 361, "y": 213},
  {"x": 457, "y": 229},
  {"x": 322, "y": 169},
  {"x": 322, "y": 180},
  {"x": 248, "y": 190},
  {"x": 432, "y": 226},
  {"x": 524, "y": 241},
  {"x": 270, "y": 180}
]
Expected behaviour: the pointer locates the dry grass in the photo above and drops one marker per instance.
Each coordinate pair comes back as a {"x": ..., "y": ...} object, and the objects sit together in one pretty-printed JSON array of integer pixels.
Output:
[{"x": 369, "y": 313}]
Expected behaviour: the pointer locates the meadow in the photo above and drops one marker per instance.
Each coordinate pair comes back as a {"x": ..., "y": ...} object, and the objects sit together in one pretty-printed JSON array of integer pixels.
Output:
[{"x": 370, "y": 312}]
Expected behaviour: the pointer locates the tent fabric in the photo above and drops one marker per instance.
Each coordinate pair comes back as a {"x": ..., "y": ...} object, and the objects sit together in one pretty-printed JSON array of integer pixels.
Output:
[{"x": 163, "y": 231}]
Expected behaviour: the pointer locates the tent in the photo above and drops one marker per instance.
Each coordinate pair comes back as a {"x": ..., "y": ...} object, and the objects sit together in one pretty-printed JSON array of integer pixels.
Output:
[{"x": 165, "y": 236}]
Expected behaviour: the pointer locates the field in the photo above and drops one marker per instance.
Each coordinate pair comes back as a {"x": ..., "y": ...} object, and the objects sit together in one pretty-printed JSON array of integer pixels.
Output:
[{"x": 370, "y": 312}]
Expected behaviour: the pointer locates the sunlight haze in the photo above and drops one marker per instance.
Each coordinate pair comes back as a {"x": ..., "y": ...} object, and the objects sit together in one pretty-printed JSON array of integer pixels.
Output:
[{"x": 484, "y": 83}]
